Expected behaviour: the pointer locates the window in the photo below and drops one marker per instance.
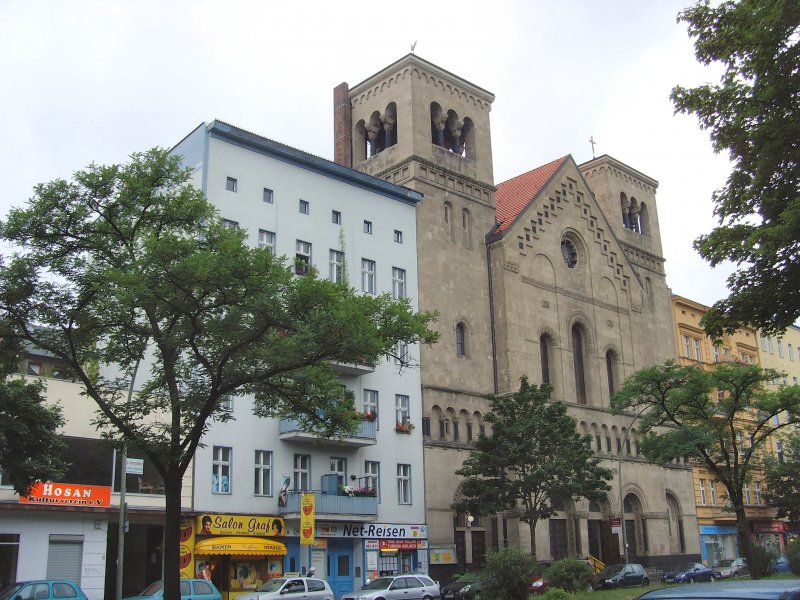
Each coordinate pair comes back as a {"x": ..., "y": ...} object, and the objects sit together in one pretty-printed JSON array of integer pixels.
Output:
[
  {"x": 401, "y": 408},
  {"x": 302, "y": 258},
  {"x": 763, "y": 343},
  {"x": 372, "y": 475},
  {"x": 461, "y": 340},
  {"x": 712, "y": 488},
  {"x": 687, "y": 349},
  {"x": 758, "y": 492},
  {"x": 371, "y": 402},
  {"x": 769, "y": 345},
  {"x": 230, "y": 224},
  {"x": 336, "y": 217},
  {"x": 697, "y": 354},
  {"x": 779, "y": 451},
  {"x": 339, "y": 468},
  {"x": 569, "y": 252},
  {"x": 368, "y": 227},
  {"x": 268, "y": 197},
  {"x": 403, "y": 484},
  {"x": 34, "y": 368},
  {"x": 747, "y": 498},
  {"x": 715, "y": 350},
  {"x": 544, "y": 349},
  {"x": 401, "y": 353},
  {"x": 368, "y": 276},
  {"x": 791, "y": 352},
  {"x": 780, "y": 347},
  {"x": 610, "y": 360},
  {"x": 398, "y": 236},
  {"x": 266, "y": 239},
  {"x": 231, "y": 184},
  {"x": 304, "y": 207},
  {"x": 703, "y": 492},
  {"x": 263, "y": 473},
  {"x": 577, "y": 359},
  {"x": 398, "y": 283},
  {"x": 221, "y": 470},
  {"x": 336, "y": 266},
  {"x": 302, "y": 472},
  {"x": 226, "y": 403}
]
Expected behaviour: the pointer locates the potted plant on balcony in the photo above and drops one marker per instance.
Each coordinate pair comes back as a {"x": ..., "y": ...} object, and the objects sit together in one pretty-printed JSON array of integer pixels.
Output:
[
  {"x": 404, "y": 426},
  {"x": 366, "y": 415},
  {"x": 367, "y": 492}
]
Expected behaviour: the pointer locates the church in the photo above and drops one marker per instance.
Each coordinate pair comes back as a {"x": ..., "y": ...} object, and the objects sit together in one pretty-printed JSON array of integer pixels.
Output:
[{"x": 556, "y": 274}]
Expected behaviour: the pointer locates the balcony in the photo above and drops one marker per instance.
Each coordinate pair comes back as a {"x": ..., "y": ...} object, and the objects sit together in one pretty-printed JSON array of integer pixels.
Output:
[
  {"x": 354, "y": 369},
  {"x": 329, "y": 506},
  {"x": 290, "y": 430}
]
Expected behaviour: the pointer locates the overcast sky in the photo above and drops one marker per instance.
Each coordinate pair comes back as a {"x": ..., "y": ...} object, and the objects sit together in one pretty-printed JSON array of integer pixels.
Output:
[{"x": 92, "y": 81}]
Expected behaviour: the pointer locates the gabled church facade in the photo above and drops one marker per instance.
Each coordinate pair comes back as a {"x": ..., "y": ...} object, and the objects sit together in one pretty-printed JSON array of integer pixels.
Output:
[{"x": 558, "y": 275}]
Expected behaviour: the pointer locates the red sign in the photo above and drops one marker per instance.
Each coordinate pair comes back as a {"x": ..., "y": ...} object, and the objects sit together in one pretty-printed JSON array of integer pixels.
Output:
[
  {"x": 398, "y": 544},
  {"x": 768, "y": 527},
  {"x": 73, "y": 494}
]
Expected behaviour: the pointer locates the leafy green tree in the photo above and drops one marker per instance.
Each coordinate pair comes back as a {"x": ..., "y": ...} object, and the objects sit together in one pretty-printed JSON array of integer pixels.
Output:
[
  {"x": 30, "y": 447},
  {"x": 720, "y": 419},
  {"x": 753, "y": 114},
  {"x": 130, "y": 264},
  {"x": 508, "y": 574},
  {"x": 569, "y": 574},
  {"x": 782, "y": 481},
  {"x": 534, "y": 458}
]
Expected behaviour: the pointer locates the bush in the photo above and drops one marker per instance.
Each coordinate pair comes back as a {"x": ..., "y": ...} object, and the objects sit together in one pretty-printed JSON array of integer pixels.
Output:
[
  {"x": 555, "y": 594},
  {"x": 508, "y": 574},
  {"x": 793, "y": 554},
  {"x": 759, "y": 561},
  {"x": 569, "y": 574}
]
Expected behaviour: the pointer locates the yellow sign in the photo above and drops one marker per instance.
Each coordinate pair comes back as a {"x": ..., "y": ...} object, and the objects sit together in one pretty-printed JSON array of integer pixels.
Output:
[
  {"x": 186, "y": 544},
  {"x": 212, "y": 524},
  {"x": 239, "y": 546},
  {"x": 307, "y": 515}
]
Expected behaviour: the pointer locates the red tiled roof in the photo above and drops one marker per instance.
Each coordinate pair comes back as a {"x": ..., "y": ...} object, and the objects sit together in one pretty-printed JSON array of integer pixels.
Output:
[{"x": 515, "y": 194}]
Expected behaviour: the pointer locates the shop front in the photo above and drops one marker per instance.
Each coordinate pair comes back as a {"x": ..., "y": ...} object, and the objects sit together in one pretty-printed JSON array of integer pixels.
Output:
[
  {"x": 769, "y": 535},
  {"x": 718, "y": 542},
  {"x": 238, "y": 553}
]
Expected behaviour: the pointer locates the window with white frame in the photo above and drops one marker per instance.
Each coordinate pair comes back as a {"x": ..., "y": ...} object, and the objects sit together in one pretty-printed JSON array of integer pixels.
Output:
[
  {"x": 398, "y": 283},
  {"x": 770, "y": 346},
  {"x": 401, "y": 353},
  {"x": 368, "y": 227},
  {"x": 302, "y": 258},
  {"x": 791, "y": 352},
  {"x": 263, "y": 473},
  {"x": 266, "y": 239},
  {"x": 713, "y": 489},
  {"x": 231, "y": 184},
  {"x": 780, "y": 347},
  {"x": 697, "y": 354},
  {"x": 372, "y": 475},
  {"x": 370, "y": 404},
  {"x": 339, "y": 468},
  {"x": 715, "y": 350},
  {"x": 763, "y": 343},
  {"x": 758, "y": 492},
  {"x": 401, "y": 408},
  {"x": 336, "y": 266},
  {"x": 368, "y": 276},
  {"x": 336, "y": 217},
  {"x": 304, "y": 207},
  {"x": 268, "y": 196},
  {"x": 230, "y": 224},
  {"x": 747, "y": 498},
  {"x": 687, "y": 349},
  {"x": 302, "y": 472},
  {"x": 221, "y": 470},
  {"x": 398, "y": 236},
  {"x": 226, "y": 403},
  {"x": 779, "y": 451},
  {"x": 703, "y": 492},
  {"x": 403, "y": 484}
]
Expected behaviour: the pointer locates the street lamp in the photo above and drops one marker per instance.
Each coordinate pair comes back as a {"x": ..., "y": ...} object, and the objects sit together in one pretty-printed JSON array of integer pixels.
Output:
[{"x": 619, "y": 480}]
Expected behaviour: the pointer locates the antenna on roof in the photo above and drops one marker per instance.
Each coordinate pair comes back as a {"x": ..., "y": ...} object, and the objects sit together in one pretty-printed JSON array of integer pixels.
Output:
[{"x": 414, "y": 45}]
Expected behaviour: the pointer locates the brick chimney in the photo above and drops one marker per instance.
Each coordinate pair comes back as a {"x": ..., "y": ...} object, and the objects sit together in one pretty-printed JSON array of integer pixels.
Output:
[{"x": 342, "y": 126}]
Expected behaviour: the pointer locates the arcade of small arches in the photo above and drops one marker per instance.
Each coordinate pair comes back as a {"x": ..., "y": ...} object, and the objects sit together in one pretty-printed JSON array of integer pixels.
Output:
[
  {"x": 452, "y": 133},
  {"x": 377, "y": 133},
  {"x": 456, "y": 427},
  {"x": 464, "y": 225},
  {"x": 634, "y": 214}
]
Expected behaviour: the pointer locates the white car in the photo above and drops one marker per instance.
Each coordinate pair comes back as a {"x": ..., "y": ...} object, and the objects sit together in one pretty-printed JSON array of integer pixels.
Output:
[
  {"x": 732, "y": 567},
  {"x": 397, "y": 587},
  {"x": 307, "y": 588}
]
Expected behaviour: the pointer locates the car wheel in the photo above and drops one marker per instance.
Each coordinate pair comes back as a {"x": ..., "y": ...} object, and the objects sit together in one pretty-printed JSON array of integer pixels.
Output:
[
  {"x": 691, "y": 579},
  {"x": 646, "y": 582},
  {"x": 735, "y": 574},
  {"x": 427, "y": 598}
]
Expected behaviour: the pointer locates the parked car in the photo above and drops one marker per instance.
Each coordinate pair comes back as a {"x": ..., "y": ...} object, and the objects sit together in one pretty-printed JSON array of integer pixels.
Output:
[
  {"x": 779, "y": 564},
  {"x": 731, "y": 567},
  {"x": 43, "y": 589},
  {"x": 689, "y": 573},
  {"x": 541, "y": 584},
  {"x": 407, "y": 587},
  {"x": 309, "y": 588},
  {"x": 613, "y": 576},
  {"x": 763, "y": 589},
  {"x": 465, "y": 587},
  {"x": 191, "y": 589}
]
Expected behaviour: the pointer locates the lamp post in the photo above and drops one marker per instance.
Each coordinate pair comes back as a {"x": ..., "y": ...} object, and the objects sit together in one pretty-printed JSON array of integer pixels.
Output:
[{"x": 619, "y": 481}]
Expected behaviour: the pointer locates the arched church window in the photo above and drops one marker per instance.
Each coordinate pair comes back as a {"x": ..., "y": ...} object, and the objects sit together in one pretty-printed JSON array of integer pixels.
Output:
[
  {"x": 578, "y": 363},
  {"x": 611, "y": 366},
  {"x": 468, "y": 138},
  {"x": 644, "y": 227},
  {"x": 544, "y": 351},
  {"x": 569, "y": 252},
  {"x": 461, "y": 340},
  {"x": 466, "y": 228},
  {"x": 448, "y": 221},
  {"x": 625, "y": 206},
  {"x": 438, "y": 120}
]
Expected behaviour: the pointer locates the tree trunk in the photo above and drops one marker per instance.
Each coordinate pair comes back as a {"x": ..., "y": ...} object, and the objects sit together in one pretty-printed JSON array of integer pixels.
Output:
[
  {"x": 173, "y": 484},
  {"x": 532, "y": 526},
  {"x": 743, "y": 535}
]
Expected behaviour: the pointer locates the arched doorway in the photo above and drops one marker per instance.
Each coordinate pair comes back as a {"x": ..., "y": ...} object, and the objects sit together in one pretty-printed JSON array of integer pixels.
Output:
[{"x": 635, "y": 528}]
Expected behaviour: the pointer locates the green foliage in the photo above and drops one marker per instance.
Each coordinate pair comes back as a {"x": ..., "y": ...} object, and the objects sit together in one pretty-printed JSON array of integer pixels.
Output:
[
  {"x": 534, "y": 458},
  {"x": 759, "y": 561},
  {"x": 782, "y": 482},
  {"x": 568, "y": 574},
  {"x": 30, "y": 448},
  {"x": 720, "y": 419},
  {"x": 753, "y": 114},
  {"x": 508, "y": 574},
  {"x": 556, "y": 593},
  {"x": 793, "y": 554}
]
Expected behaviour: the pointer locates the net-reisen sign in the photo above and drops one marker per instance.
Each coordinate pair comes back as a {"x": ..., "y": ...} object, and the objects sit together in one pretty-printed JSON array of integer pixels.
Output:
[{"x": 72, "y": 494}]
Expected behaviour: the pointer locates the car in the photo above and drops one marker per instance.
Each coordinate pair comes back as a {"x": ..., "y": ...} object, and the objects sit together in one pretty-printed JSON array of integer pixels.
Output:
[
  {"x": 540, "y": 585},
  {"x": 407, "y": 587},
  {"x": 763, "y": 589},
  {"x": 465, "y": 587},
  {"x": 191, "y": 589},
  {"x": 43, "y": 589},
  {"x": 613, "y": 576},
  {"x": 689, "y": 573},
  {"x": 731, "y": 567},
  {"x": 779, "y": 564},
  {"x": 310, "y": 588}
]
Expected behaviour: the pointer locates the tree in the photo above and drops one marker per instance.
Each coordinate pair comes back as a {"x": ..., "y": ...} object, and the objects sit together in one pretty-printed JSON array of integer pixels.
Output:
[
  {"x": 754, "y": 115},
  {"x": 781, "y": 480},
  {"x": 130, "y": 264},
  {"x": 30, "y": 447},
  {"x": 720, "y": 419},
  {"x": 508, "y": 574},
  {"x": 534, "y": 458}
]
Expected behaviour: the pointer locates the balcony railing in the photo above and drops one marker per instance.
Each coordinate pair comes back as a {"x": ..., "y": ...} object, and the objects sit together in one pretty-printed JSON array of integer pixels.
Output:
[
  {"x": 333, "y": 504},
  {"x": 364, "y": 435}
]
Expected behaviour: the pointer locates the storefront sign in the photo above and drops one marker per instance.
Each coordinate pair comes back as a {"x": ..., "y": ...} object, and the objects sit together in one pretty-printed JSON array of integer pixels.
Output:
[
  {"x": 73, "y": 494},
  {"x": 616, "y": 525},
  {"x": 134, "y": 466},
  {"x": 240, "y": 525},
  {"x": 186, "y": 541},
  {"x": 307, "y": 517},
  {"x": 400, "y": 544},
  {"x": 443, "y": 554},
  {"x": 372, "y": 530},
  {"x": 768, "y": 527}
]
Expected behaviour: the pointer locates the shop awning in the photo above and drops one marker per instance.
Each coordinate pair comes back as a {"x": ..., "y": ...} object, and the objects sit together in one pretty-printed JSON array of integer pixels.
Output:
[{"x": 239, "y": 545}]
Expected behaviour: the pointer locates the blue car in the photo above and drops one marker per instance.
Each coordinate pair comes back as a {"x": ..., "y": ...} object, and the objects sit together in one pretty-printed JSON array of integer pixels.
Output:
[
  {"x": 43, "y": 589},
  {"x": 779, "y": 564},
  {"x": 689, "y": 573},
  {"x": 191, "y": 589}
]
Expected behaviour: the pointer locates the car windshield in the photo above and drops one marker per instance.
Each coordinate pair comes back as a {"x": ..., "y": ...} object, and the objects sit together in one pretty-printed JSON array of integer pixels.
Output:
[
  {"x": 689, "y": 567},
  {"x": 381, "y": 583},
  {"x": 611, "y": 569},
  {"x": 154, "y": 589},
  {"x": 9, "y": 591},
  {"x": 725, "y": 563},
  {"x": 273, "y": 585}
]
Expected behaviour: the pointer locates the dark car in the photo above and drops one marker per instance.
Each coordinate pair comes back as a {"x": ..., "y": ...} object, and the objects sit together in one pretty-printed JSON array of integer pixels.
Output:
[
  {"x": 613, "y": 576},
  {"x": 689, "y": 573},
  {"x": 730, "y": 589},
  {"x": 43, "y": 589},
  {"x": 463, "y": 588}
]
